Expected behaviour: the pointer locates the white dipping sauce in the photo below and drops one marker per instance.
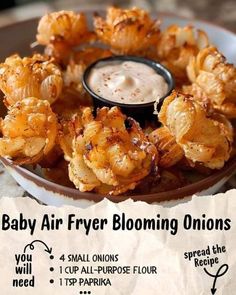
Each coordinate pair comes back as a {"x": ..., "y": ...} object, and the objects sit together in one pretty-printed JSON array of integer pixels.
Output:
[{"x": 127, "y": 82}]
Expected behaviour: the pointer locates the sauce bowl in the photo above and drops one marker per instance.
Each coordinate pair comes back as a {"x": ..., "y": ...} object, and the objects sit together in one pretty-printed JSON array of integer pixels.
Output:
[{"x": 140, "y": 110}]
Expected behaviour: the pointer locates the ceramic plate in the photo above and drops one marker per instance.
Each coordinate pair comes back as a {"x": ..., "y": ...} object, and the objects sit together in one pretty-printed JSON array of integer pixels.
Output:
[{"x": 18, "y": 37}]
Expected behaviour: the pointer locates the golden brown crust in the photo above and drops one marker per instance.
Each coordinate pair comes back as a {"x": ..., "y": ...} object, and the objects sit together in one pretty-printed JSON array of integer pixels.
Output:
[
  {"x": 170, "y": 152},
  {"x": 117, "y": 157},
  {"x": 204, "y": 138},
  {"x": 177, "y": 45},
  {"x": 36, "y": 76},
  {"x": 213, "y": 79},
  {"x": 127, "y": 31},
  {"x": 29, "y": 131}
]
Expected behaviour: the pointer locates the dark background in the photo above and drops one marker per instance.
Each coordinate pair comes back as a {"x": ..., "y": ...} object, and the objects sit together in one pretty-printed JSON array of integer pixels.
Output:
[{"x": 222, "y": 12}]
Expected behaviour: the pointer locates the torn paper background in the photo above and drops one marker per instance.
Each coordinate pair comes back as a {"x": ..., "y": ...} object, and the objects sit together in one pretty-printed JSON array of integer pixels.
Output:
[{"x": 175, "y": 274}]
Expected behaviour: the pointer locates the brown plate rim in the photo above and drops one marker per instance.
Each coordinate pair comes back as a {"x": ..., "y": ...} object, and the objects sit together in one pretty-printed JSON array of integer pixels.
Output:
[{"x": 178, "y": 193}]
